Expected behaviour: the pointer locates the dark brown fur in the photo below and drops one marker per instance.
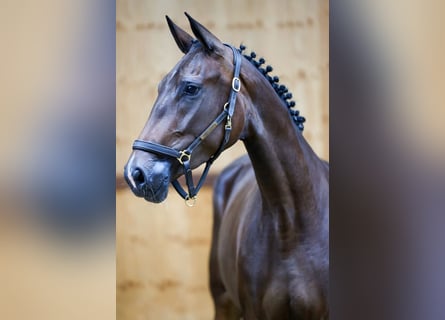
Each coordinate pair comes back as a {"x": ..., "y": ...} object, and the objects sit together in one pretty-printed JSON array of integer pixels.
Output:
[{"x": 270, "y": 246}]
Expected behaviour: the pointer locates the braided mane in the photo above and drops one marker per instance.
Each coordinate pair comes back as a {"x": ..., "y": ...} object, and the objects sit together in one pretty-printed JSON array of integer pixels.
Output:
[{"x": 281, "y": 90}]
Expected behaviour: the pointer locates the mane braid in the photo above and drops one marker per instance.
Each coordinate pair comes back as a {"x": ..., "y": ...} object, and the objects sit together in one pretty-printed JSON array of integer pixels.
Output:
[{"x": 281, "y": 90}]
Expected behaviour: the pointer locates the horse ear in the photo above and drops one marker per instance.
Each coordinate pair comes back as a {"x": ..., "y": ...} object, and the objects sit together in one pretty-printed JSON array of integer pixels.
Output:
[
  {"x": 182, "y": 38},
  {"x": 210, "y": 42}
]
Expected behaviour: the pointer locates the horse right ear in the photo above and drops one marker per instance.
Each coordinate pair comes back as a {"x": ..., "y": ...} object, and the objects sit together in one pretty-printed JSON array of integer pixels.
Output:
[{"x": 182, "y": 38}]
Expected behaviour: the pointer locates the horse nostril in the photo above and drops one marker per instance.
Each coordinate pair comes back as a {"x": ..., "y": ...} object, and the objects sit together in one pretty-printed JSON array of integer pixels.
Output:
[{"x": 138, "y": 177}]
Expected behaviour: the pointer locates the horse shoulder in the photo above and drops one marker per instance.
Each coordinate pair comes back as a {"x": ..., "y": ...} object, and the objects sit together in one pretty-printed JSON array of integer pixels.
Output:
[
  {"x": 235, "y": 192},
  {"x": 227, "y": 181}
]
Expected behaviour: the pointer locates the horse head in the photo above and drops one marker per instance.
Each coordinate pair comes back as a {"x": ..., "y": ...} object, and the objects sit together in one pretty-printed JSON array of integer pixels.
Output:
[{"x": 188, "y": 123}]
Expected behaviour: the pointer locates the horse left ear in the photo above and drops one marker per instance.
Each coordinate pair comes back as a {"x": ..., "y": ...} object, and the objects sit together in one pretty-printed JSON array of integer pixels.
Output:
[
  {"x": 182, "y": 38},
  {"x": 210, "y": 42}
]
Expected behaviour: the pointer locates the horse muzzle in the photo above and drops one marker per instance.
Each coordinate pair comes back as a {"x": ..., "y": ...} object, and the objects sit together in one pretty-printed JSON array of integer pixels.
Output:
[{"x": 149, "y": 178}]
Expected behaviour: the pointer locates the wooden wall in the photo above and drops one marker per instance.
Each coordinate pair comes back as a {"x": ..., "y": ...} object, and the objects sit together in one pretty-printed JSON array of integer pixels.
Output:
[{"x": 162, "y": 249}]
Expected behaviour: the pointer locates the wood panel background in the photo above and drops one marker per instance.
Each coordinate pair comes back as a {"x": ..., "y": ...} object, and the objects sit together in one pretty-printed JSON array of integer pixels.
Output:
[{"x": 162, "y": 250}]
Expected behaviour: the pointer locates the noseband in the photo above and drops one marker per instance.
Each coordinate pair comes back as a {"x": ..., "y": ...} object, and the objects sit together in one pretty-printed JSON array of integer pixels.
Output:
[{"x": 184, "y": 156}]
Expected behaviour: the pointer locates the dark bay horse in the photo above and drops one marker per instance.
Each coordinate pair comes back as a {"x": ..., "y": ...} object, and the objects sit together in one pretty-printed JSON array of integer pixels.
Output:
[{"x": 270, "y": 245}]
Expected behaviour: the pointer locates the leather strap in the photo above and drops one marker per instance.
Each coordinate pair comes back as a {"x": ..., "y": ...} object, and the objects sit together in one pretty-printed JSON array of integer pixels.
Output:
[{"x": 155, "y": 148}]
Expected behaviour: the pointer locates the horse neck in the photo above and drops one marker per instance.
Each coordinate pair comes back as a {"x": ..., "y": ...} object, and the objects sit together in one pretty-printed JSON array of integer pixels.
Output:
[{"x": 287, "y": 170}]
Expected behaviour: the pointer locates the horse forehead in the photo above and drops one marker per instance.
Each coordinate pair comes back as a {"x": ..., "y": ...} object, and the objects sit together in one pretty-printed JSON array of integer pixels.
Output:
[{"x": 197, "y": 66}]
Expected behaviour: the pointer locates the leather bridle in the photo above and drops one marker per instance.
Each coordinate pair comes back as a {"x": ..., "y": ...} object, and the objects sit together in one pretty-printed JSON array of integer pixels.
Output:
[{"x": 184, "y": 156}]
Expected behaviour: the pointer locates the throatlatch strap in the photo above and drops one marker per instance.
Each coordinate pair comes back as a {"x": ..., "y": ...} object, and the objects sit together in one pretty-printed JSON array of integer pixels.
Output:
[{"x": 192, "y": 191}]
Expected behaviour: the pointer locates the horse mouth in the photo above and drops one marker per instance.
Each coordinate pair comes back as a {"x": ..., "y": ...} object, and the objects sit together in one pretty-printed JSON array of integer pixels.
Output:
[{"x": 155, "y": 195}]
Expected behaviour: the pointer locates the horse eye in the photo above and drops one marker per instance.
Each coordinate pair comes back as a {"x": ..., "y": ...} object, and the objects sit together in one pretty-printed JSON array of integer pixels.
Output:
[{"x": 191, "y": 89}]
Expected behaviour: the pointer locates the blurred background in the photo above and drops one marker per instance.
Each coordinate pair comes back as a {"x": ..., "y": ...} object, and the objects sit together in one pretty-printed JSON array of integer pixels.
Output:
[
  {"x": 162, "y": 249},
  {"x": 387, "y": 157},
  {"x": 63, "y": 151},
  {"x": 57, "y": 164}
]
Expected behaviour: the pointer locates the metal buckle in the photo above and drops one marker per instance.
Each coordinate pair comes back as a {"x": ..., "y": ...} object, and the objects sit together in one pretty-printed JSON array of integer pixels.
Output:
[
  {"x": 228, "y": 123},
  {"x": 190, "y": 202},
  {"x": 236, "y": 84},
  {"x": 183, "y": 154}
]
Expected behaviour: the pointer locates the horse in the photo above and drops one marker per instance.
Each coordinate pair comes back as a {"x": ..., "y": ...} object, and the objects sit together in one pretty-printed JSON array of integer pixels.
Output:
[{"x": 269, "y": 256}]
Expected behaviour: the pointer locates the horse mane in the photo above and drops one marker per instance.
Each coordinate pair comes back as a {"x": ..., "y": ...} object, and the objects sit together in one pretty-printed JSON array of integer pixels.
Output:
[{"x": 280, "y": 89}]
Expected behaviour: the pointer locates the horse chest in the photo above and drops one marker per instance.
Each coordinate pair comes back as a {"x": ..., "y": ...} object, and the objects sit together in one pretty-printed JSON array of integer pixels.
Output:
[
  {"x": 258, "y": 277},
  {"x": 247, "y": 258},
  {"x": 231, "y": 243}
]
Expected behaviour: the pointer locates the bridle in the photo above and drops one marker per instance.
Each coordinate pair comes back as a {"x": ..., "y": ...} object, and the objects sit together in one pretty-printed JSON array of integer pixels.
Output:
[{"x": 184, "y": 156}]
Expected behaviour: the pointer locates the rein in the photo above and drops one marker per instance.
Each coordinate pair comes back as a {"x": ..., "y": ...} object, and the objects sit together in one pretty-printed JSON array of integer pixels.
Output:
[{"x": 184, "y": 156}]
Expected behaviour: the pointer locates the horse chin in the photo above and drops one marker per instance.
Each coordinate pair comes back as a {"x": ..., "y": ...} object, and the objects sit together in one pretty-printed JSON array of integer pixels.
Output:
[
  {"x": 156, "y": 196},
  {"x": 156, "y": 190}
]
